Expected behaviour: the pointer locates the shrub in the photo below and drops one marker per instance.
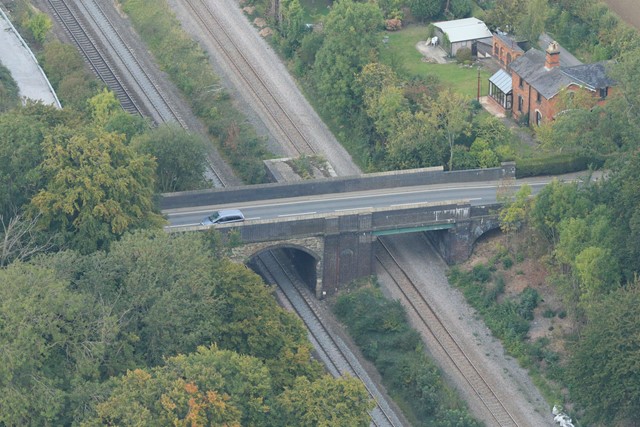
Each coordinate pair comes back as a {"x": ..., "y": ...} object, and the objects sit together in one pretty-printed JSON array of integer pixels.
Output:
[
  {"x": 481, "y": 273},
  {"x": 463, "y": 55},
  {"x": 381, "y": 330},
  {"x": 507, "y": 263},
  {"x": 529, "y": 299},
  {"x": 9, "y": 94}
]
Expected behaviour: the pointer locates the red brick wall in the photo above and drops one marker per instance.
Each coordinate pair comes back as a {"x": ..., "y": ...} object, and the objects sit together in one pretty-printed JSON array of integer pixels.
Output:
[
  {"x": 502, "y": 51},
  {"x": 547, "y": 107}
]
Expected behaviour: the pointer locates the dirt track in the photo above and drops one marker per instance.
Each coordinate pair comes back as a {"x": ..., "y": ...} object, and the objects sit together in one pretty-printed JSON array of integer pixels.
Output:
[{"x": 628, "y": 10}]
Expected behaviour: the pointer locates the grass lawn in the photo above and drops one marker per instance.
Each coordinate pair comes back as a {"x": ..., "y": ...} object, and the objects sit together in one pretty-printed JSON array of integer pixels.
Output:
[{"x": 402, "y": 54}]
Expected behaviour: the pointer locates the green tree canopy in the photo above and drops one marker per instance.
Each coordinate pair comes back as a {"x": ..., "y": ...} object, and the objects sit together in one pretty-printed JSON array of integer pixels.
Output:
[
  {"x": 603, "y": 370},
  {"x": 23, "y": 131},
  {"x": 181, "y": 158},
  {"x": 425, "y": 10},
  {"x": 96, "y": 189},
  {"x": 51, "y": 337},
  {"x": 9, "y": 94},
  {"x": 352, "y": 39},
  {"x": 208, "y": 387},
  {"x": 345, "y": 402}
]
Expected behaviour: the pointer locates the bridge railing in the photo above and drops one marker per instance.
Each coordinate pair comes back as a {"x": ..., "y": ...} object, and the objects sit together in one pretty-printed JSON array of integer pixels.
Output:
[{"x": 407, "y": 178}]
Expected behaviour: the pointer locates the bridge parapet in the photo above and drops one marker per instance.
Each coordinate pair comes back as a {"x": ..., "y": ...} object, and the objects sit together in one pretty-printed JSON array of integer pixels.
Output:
[{"x": 342, "y": 242}]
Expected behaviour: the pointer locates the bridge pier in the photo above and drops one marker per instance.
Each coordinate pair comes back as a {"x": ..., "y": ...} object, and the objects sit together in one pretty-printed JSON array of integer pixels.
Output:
[
  {"x": 348, "y": 251},
  {"x": 456, "y": 244}
]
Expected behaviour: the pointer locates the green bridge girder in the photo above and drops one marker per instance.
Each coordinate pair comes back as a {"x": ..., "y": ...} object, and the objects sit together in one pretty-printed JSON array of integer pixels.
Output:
[{"x": 413, "y": 229}]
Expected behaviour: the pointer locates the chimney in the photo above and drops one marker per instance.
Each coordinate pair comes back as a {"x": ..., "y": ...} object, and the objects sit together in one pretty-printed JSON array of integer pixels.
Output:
[{"x": 553, "y": 56}]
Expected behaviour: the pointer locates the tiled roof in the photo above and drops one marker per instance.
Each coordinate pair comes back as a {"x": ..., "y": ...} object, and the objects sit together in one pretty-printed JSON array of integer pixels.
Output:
[
  {"x": 592, "y": 75},
  {"x": 548, "y": 83},
  {"x": 509, "y": 40}
]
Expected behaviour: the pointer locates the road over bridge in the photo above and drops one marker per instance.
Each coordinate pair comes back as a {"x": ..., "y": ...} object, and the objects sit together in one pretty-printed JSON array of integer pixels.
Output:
[{"x": 328, "y": 227}]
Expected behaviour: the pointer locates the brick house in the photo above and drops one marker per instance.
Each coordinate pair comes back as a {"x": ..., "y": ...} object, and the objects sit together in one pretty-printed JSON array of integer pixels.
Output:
[{"x": 528, "y": 85}]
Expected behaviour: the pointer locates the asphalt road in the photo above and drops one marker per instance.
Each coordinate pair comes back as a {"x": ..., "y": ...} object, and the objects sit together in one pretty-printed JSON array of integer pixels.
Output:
[{"x": 477, "y": 193}]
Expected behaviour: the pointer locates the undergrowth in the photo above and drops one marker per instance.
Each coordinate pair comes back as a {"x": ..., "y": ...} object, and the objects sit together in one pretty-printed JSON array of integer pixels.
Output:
[{"x": 381, "y": 330}]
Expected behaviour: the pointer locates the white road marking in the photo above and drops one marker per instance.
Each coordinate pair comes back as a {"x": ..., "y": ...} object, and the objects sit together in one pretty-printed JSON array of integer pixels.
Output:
[{"x": 296, "y": 214}]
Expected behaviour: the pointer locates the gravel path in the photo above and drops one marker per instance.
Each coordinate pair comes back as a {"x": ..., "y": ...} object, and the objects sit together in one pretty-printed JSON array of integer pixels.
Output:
[
  {"x": 517, "y": 391},
  {"x": 277, "y": 76}
]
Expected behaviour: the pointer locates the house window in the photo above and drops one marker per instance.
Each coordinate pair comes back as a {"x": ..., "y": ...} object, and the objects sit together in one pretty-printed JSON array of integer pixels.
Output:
[
  {"x": 495, "y": 50},
  {"x": 520, "y": 103},
  {"x": 538, "y": 118},
  {"x": 521, "y": 83},
  {"x": 538, "y": 98},
  {"x": 604, "y": 92},
  {"x": 508, "y": 58}
]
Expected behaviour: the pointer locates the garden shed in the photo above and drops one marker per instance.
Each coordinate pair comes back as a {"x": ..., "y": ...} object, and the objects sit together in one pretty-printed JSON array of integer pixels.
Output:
[{"x": 460, "y": 33}]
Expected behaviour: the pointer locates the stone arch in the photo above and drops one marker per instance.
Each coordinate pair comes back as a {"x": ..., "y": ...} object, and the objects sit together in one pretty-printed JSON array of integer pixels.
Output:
[{"x": 305, "y": 255}]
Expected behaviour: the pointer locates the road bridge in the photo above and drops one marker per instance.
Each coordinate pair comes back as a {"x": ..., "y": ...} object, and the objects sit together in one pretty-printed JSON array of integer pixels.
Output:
[{"x": 332, "y": 244}]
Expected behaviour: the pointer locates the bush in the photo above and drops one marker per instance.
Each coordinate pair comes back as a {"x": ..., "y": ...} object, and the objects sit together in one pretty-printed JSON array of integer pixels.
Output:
[
  {"x": 189, "y": 68},
  {"x": 381, "y": 330},
  {"x": 463, "y": 55},
  {"x": 529, "y": 299},
  {"x": 507, "y": 263},
  {"x": 481, "y": 273},
  {"x": 556, "y": 164},
  {"x": 9, "y": 94}
]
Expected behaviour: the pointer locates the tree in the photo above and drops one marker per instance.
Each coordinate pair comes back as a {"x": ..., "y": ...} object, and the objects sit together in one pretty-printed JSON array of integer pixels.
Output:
[
  {"x": 9, "y": 94},
  {"x": 351, "y": 40},
  {"x": 461, "y": 8},
  {"x": 555, "y": 202},
  {"x": 208, "y": 387},
  {"x": 19, "y": 239},
  {"x": 292, "y": 26},
  {"x": 97, "y": 189},
  {"x": 181, "y": 158},
  {"x": 450, "y": 115},
  {"x": 532, "y": 23},
  {"x": 39, "y": 25},
  {"x": 52, "y": 338},
  {"x": 505, "y": 14},
  {"x": 23, "y": 131},
  {"x": 413, "y": 144},
  {"x": 599, "y": 273},
  {"x": 603, "y": 371},
  {"x": 424, "y": 10},
  {"x": 347, "y": 398},
  {"x": 515, "y": 210}
]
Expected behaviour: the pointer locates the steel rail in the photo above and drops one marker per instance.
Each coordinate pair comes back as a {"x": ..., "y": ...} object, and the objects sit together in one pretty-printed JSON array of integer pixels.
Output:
[
  {"x": 446, "y": 340},
  {"x": 230, "y": 49}
]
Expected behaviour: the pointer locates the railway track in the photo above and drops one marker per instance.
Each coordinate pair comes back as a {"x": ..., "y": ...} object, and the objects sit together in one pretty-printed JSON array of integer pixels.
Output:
[
  {"x": 94, "y": 57},
  {"x": 285, "y": 123},
  {"x": 149, "y": 89},
  {"x": 163, "y": 110},
  {"x": 333, "y": 352},
  {"x": 414, "y": 299}
]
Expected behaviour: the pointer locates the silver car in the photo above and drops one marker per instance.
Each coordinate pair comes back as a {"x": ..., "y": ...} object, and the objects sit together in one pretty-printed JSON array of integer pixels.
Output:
[{"x": 223, "y": 217}]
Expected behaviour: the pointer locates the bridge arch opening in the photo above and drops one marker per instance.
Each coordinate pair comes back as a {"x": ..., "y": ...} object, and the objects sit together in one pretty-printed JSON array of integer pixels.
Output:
[{"x": 303, "y": 263}]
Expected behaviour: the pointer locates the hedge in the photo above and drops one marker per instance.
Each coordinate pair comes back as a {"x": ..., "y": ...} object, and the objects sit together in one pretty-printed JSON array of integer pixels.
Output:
[{"x": 556, "y": 164}]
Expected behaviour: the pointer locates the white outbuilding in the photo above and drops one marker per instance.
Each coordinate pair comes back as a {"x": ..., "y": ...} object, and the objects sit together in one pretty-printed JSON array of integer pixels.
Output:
[{"x": 467, "y": 32}]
